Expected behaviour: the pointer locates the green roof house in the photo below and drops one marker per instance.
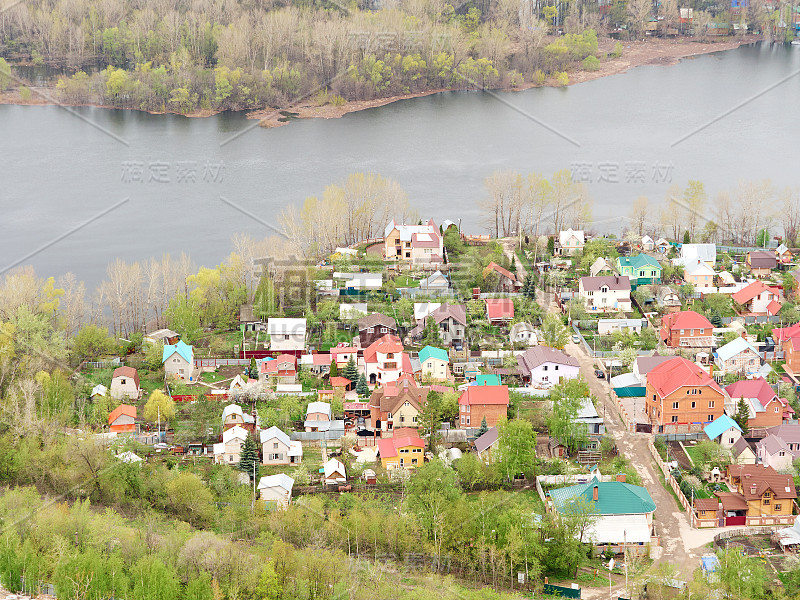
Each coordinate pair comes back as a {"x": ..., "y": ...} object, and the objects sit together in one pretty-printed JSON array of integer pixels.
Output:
[
  {"x": 488, "y": 379},
  {"x": 622, "y": 514},
  {"x": 641, "y": 269},
  {"x": 435, "y": 363}
]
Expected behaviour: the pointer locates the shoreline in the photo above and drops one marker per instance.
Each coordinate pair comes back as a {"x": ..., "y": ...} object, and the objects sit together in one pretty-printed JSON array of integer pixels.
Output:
[{"x": 661, "y": 52}]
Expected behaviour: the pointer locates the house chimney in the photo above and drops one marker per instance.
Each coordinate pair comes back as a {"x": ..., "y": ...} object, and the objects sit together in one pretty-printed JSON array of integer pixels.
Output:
[
  {"x": 594, "y": 493},
  {"x": 621, "y": 477}
]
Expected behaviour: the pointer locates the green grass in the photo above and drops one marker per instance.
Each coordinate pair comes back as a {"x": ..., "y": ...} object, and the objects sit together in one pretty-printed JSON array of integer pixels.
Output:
[
  {"x": 405, "y": 281},
  {"x": 212, "y": 377}
]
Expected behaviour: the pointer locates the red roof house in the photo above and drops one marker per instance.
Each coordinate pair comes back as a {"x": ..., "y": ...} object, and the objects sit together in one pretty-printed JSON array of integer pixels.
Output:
[
  {"x": 482, "y": 401},
  {"x": 686, "y": 329},
  {"x": 499, "y": 310},
  {"x": 766, "y": 408},
  {"x": 122, "y": 418},
  {"x": 679, "y": 392},
  {"x": 758, "y": 298},
  {"x": 507, "y": 281}
]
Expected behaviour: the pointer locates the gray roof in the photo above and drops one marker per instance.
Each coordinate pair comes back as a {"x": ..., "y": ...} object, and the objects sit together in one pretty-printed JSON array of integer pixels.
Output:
[
  {"x": 533, "y": 357},
  {"x": 788, "y": 433},
  {"x": 645, "y": 364},
  {"x": 281, "y": 480},
  {"x": 613, "y": 282},
  {"x": 274, "y": 432},
  {"x": 486, "y": 440},
  {"x": 773, "y": 444}
]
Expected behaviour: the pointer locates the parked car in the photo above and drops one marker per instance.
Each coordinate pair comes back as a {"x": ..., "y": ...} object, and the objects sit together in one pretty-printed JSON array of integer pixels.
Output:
[
  {"x": 599, "y": 374},
  {"x": 576, "y": 339}
]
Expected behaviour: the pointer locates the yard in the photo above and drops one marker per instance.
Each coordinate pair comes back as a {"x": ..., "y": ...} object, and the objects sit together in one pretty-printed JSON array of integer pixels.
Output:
[{"x": 405, "y": 281}]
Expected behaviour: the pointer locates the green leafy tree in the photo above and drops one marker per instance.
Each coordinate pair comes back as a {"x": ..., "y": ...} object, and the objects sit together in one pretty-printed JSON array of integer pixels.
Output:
[
  {"x": 269, "y": 587},
  {"x": 362, "y": 389},
  {"x": 153, "y": 356},
  {"x": 248, "y": 461},
  {"x": 159, "y": 406},
  {"x": 567, "y": 399},
  {"x": 430, "y": 334},
  {"x": 430, "y": 418},
  {"x": 516, "y": 444},
  {"x": 183, "y": 315},
  {"x": 199, "y": 588},
  {"x": 554, "y": 334},
  {"x": 92, "y": 342}
]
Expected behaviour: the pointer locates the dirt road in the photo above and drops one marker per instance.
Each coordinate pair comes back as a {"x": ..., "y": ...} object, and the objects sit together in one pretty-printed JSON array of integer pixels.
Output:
[{"x": 682, "y": 545}]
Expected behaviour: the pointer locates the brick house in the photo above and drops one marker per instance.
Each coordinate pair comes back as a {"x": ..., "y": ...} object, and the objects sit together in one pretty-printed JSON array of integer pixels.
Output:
[
  {"x": 789, "y": 339},
  {"x": 766, "y": 408},
  {"x": 686, "y": 329},
  {"x": 418, "y": 244},
  {"x": 279, "y": 370},
  {"x": 479, "y": 402},
  {"x": 499, "y": 311},
  {"x": 680, "y": 392}
]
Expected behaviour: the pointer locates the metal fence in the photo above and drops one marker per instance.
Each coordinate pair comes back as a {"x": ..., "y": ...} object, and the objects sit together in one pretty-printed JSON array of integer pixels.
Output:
[{"x": 103, "y": 364}]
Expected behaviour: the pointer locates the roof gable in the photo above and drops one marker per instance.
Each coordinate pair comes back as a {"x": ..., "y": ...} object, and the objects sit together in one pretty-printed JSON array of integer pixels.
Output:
[
  {"x": 184, "y": 350},
  {"x": 679, "y": 372}
]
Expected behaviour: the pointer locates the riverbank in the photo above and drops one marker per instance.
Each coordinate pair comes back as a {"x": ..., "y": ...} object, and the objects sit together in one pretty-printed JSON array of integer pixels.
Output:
[{"x": 634, "y": 54}]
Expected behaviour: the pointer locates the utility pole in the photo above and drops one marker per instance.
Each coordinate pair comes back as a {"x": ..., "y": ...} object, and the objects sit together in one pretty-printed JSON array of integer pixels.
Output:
[
  {"x": 253, "y": 505},
  {"x": 158, "y": 435}
]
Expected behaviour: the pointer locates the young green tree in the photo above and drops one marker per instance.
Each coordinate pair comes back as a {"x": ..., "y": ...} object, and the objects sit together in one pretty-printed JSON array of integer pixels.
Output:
[
  {"x": 183, "y": 315},
  {"x": 334, "y": 368},
  {"x": 567, "y": 398},
  {"x": 516, "y": 444},
  {"x": 248, "y": 461},
  {"x": 686, "y": 237},
  {"x": 554, "y": 334},
  {"x": 430, "y": 418},
  {"x": 159, "y": 406},
  {"x": 252, "y": 372},
  {"x": 551, "y": 246},
  {"x": 742, "y": 414},
  {"x": 483, "y": 428},
  {"x": 362, "y": 389},
  {"x": 351, "y": 370},
  {"x": 430, "y": 334},
  {"x": 92, "y": 342}
]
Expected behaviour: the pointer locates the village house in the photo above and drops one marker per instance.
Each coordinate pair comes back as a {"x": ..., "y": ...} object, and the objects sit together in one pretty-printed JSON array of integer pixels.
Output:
[
  {"x": 318, "y": 364},
  {"x": 334, "y": 472},
  {"x": 789, "y": 340},
  {"x": 662, "y": 246},
  {"x": 773, "y": 451},
  {"x": 435, "y": 363},
  {"x": 286, "y": 335},
  {"x": 570, "y": 241},
  {"x": 318, "y": 416},
  {"x": 161, "y": 336},
  {"x": 680, "y": 392},
  {"x": 623, "y": 513},
  {"x": 668, "y": 298},
  {"x": 355, "y": 283},
  {"x": 125, "y": 384},
  {"x": 761, "y": 262},
  {"x": 397, "y": 403},
  {"x": 765, "y": 407},
  {"x": 280, "y": 370},
  {"x": 737, "y": 356},
  {"x": 543, "y": 365},
  {"x": 401, "y": 452},
  {"x": 418, "y": 244},
  {"x": 276, "y": 491},
  {"x": 691, "y": 253},
  {"x": 699, "y": 275},
  {"x": 384, "y": 360},
  {"x": 769, "y": 496},
  {"x": 641, "y": 269},
  {"x": 609, "y": 326},
  {"x": 606, "y": 293},
  {"x": 601, "y": 266},
  {"x": 342, "y": 353},
  {"x": 233, "y": 416},
  {"x": 278, "y": 449},
  {"x": 783, "y": 254},
  {"x": 452, "y": 322},
  {"x": 479, "y": 402},
  {"x": 506, "y": 280},
  {"x": 435, "y": 284},
  {"x": 742, "y": 453},
  {"x": 523, "y": 333},
  {"x": 499, "y": 311},
  {"x": 229, "y": 451},
  {"x": 373, "y": 327},
  {"x": 686, "y": 329},
  {"x": 484, "y": 446},
  {"x": 758, "y": 299},
  {"x": 723, "y": 430},
  {"x": 178, "y": 361},
  {"x": 122, "y": 419}
]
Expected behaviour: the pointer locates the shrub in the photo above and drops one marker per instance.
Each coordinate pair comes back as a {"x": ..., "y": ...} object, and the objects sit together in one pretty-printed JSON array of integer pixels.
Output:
[
  {"x": 562, "y": 79},
  {"x": 591, "y": 63}
]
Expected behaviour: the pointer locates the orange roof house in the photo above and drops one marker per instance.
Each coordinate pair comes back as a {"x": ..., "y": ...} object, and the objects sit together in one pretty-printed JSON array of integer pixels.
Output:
[
  {"x": 686, "y": 329},
  {"x": 499, "y": 310},
  {"x": 122, "y": 418}
]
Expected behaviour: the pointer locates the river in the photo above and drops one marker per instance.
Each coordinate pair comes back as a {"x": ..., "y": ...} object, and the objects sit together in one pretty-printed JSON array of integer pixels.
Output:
[{"x": 154, "y": 184}]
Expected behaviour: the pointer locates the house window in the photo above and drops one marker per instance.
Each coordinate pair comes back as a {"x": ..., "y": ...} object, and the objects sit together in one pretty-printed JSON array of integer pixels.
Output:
[
  {"x": 467, "y": 420},
  {"x": 767, "y": 494},
  {"x": 544, "y": 368},
  {"x": 402, "y": 419},
  {"x": 777, "y": 507},
  {"x": 388, "y": 415},
  {"x": 370, "y": 330},
  {"x": 462, "y": 419},
  {"x": 468, "y": 407},
  {"x": 383, "y": 329},
  {"x": 674, "y": 418},
  {"x": 674, "y": 406},
  {"x": 694, "y": 404},
  {"x": 122, "y": 382},
  {"x": 766, "y": 501},
  {"x": 710, "y": 418},
  {"x": 710, "y": 404},
  {"x": 414, "y": 461},
  {"x": 275, "y": 445},
  {"x": 414, "y": 419}
]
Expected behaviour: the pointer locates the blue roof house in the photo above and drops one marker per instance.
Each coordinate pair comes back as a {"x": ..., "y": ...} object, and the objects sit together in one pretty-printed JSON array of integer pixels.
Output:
[
  {"x": 178, "y": 360},
  {"x": 724, "y": 428}
]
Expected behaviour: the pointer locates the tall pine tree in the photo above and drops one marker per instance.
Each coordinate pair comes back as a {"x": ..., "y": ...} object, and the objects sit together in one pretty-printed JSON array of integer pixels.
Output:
[
  {"x": 362, "y": 389},
  {"x": 742, "y": 414},
  {"x": 483, "y": 428},
  {"x": 430, "y": 334},
  {"x": 249, "y": 457},
  {"x": 351, "y": 370}
]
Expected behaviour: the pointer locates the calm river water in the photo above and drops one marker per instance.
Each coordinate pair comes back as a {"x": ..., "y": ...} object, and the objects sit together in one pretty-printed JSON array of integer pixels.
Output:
[{"x": 152, "y": 184}]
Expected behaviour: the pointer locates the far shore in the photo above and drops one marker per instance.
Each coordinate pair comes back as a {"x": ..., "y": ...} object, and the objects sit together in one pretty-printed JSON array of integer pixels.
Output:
[{"x": 634, "y": 54}]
